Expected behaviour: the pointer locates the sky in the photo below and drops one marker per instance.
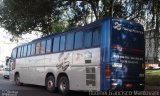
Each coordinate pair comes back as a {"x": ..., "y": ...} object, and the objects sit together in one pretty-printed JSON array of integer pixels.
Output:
[{"x": 6, "y": 45}]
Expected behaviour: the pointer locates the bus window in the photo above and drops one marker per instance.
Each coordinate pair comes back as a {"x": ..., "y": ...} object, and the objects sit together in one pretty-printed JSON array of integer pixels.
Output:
[
  {"x": 88, "y": 38},
  {"x": 33, "y": 49},
  {"x": 43, "y": 45},
  {"x": 48, "y": 46},
  {"x": 62, "y": 43},
  {"x": 25, "y": 50},
  {"x": 14, "y": 53},
  {"x": 78, "y": 40},
  {"x": 22, "y": 51},
  {"x": 19, "y": 52},
  {"x": 29, "y": 50},
  {"x": 69, "y": 42},
  {"x": 38, "y": 45},
  {"x": 96, "y": 37},
  {"x": 56, "y": 44}
]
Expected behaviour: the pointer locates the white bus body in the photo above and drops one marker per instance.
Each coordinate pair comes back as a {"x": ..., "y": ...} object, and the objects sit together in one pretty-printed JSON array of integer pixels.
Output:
[{"x": 34, "y": 70}]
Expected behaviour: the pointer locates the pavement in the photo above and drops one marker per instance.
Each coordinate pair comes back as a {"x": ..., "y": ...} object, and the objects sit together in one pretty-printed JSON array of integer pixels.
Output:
[{"x": 8, "y": 88}]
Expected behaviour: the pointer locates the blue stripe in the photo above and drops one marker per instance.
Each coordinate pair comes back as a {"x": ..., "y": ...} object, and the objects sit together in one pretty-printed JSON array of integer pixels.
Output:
[{"x": 105, "y": 52}]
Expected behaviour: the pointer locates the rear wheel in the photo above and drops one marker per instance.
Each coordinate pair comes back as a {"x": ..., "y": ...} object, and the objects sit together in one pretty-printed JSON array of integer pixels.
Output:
[
  {"x": 17, "y": 80},
  {"x": 50, "y": 84},
  {"x": 63, "y": 85}
]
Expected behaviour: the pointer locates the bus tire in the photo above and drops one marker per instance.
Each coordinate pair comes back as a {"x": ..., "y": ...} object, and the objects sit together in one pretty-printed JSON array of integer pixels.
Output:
[
  {"x": 63, "y": 85},
  {"x": 50, "y": 84},
  {"x": 17, "y": 80}
]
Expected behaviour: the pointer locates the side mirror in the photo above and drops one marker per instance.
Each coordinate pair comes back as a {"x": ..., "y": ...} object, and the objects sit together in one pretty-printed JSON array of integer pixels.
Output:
[
  {"x": 7, "y": 61},
  {"x": 1, "y": 66}
]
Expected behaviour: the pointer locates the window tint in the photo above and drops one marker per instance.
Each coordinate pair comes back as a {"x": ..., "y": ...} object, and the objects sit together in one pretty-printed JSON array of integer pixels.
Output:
[
  {"x": 33, "y": 49},
  {"x": 56, "y": 44},
  {"x": 25, "y": 50},
  {"x": 62, "y": 43},
  {"x": 69, "y": 42},
  {"x": 88, "y": 39},
  {"x": 43, "y": 45},
  {"x": 38, "y": 48},
  {"x": 19, "y": 52},
  {"x": 48, "y": 46},
  {"x": 78, "y": 40},
  {"x": 96, "y": 37},
  {"x": 14, "y": 53},
  {"x": 29, "y": 50}
]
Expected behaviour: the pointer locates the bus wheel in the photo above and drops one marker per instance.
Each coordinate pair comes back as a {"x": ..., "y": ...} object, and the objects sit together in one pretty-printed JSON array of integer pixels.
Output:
[
  {"x": 63, "y": 85},
  {"x": 17, "y": 80},
  {"x": 50, "y": 84}
]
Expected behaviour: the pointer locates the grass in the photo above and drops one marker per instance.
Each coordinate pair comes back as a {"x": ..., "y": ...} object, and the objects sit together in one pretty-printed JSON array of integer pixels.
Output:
[{"x": 152, "y": 77}]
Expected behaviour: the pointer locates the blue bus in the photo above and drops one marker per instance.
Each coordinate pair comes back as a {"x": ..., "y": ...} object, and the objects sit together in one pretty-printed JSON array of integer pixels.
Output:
[{"x": 105, "y": 55}]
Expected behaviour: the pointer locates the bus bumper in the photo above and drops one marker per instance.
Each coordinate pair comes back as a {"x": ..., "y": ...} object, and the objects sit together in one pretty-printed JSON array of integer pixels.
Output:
[{"x": 127, "y": 85}]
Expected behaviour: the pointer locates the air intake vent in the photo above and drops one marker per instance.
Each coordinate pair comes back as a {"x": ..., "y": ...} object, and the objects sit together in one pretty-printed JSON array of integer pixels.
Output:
[{"x": 90, "y": 77}]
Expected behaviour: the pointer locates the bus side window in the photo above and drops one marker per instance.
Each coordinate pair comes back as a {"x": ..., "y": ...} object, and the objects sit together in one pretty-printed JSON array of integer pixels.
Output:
[
  {"x": 69, "y": 41},
  {"x": 56, "y": 44},
  {"x": 43, "y": 45},
  {"x": 62, "y": 43},
  {"x": 14, "y": 53},
  {"x": 38, "y": 45},
  {"x": 25, "y": 50},
  {"x": 78, "y": 40},
  {"x": 88, "y": 39},
  {"x": 96, "y": 37},
  {"x": 29, "y": 50},
  {"x": 19, "y": 52},
  {"x": 22, "y": 51},
  {"x": 33, "y": 49},
  {"x": 48, "y": 46}
]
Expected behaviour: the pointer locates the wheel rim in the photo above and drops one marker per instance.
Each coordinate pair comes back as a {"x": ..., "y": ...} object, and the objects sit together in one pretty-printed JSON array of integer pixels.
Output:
[
  {"x": 50, "y": 84},
  {"x": 63, "y": 86}
]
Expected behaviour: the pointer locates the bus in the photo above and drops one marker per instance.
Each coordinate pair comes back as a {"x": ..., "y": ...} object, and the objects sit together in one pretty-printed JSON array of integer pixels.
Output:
[{"x": 107, "y": 54}]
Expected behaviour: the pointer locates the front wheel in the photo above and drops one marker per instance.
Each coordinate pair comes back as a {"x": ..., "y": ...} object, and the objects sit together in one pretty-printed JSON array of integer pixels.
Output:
[
  {"x": 17, "y": 80},
  {"x": 63, "y": 85}
]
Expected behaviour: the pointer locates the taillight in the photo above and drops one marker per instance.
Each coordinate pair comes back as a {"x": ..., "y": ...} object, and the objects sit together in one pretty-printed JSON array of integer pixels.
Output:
[
  {"x": 128, "y": 85},
  {"x": 108, "y": 72},
  {"x": 114, "y": 85}
]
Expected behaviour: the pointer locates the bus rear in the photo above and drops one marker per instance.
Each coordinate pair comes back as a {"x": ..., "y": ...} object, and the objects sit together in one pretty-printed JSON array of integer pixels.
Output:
[{"x": 122, "y": 55}]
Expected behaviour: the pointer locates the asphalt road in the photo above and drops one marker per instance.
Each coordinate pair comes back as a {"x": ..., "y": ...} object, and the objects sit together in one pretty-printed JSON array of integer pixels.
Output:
[{"x": 8, "y": 88}]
